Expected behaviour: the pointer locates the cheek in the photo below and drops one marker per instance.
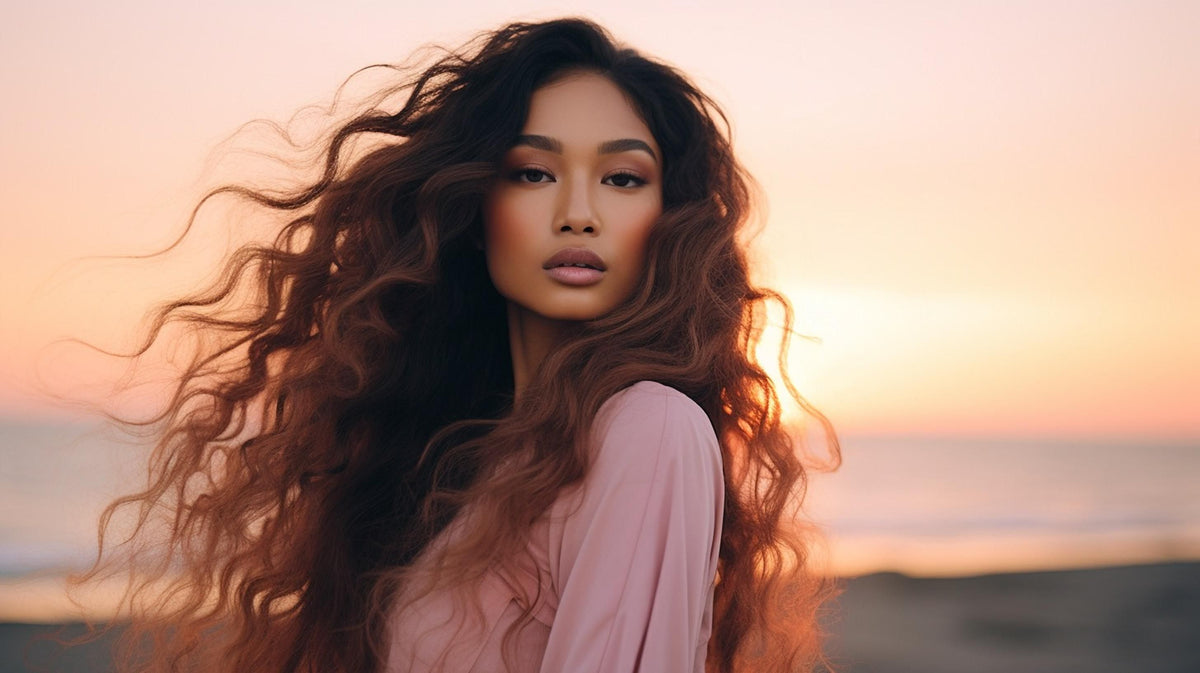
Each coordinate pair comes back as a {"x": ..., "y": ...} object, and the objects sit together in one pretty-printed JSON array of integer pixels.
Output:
[
  {"x": 496, "y": 222},
  {"x": 510, "y": 216},
  {"x": 505, "y": 239},
  {"x": 633, "y": 241}
]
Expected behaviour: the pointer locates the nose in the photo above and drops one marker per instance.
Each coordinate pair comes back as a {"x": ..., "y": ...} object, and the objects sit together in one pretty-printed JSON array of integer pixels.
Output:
[{"x": 577, "y": 212}]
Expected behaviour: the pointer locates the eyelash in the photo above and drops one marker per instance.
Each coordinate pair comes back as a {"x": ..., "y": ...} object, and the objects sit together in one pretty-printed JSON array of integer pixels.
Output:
[
  {"x": 517, "y": 176},
  {"x": 637, "y": 181}
]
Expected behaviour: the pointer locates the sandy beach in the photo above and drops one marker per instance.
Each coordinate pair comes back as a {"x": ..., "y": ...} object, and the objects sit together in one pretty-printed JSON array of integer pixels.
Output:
[{"x": 1135, "y": 618}]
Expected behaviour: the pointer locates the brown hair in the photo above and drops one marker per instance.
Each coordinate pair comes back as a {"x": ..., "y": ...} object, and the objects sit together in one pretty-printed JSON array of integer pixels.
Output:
[{"x": 340, "y": 417}]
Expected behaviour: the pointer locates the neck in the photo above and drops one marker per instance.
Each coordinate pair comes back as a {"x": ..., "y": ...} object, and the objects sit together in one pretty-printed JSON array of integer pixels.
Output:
[{"x": 531, "y": 337}]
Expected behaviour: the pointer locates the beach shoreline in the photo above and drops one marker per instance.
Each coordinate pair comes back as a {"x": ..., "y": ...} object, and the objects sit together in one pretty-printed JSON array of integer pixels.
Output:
[
  {"x": 1113, "y": 619},
  {"x": 1095, "y": 620}
]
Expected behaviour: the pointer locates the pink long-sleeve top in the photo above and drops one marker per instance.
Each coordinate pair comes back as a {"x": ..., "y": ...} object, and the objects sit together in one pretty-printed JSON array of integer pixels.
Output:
[{"x": 622, "y": 565}]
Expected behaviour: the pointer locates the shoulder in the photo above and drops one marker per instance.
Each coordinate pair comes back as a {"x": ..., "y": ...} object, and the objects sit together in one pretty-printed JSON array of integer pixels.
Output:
[
  {"x": 642, "y": 422},
  {"x": 649, "y": 404}
]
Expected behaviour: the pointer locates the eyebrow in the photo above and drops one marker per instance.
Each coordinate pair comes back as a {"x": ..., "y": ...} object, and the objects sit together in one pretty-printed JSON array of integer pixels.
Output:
[{"x": 607, "y": 147}]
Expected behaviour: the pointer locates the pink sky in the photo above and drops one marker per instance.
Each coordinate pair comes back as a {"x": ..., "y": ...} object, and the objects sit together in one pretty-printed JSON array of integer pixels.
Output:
[{"x": 989, "y": 212}]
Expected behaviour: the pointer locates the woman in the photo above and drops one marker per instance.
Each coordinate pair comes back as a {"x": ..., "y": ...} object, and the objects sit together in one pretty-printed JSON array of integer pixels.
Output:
[{"x": 493, "y": 403}]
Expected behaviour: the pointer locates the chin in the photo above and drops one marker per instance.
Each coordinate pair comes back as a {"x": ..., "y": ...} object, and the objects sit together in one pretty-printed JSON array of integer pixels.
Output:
[{"x": 573, "y": 315}]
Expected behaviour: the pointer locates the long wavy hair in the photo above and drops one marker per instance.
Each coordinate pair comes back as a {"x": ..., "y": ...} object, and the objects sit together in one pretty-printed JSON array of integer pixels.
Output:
[{"x": 353, "y": 389}]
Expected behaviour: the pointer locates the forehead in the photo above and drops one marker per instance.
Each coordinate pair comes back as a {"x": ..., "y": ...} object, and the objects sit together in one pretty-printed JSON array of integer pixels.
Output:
[{"x": 584, "y": 108}]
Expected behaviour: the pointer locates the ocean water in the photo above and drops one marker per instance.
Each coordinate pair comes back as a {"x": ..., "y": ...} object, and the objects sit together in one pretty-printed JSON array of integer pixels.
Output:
[
  {"x": 954, "y": 506},
  {"x": 920, "y": 505},
  {"x": 55, "y": 478}
]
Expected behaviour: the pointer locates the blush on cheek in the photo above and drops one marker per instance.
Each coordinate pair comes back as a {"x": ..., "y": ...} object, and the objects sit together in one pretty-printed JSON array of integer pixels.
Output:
[
  {"x": 503, "y": 248},
  {"x": 506, "y": 216}
]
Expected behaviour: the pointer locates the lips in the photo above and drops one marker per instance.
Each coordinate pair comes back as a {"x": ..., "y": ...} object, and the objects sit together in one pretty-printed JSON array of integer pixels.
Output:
[
  {"x": 578, "y": 267},
  {"x": 575, "y": 257}
]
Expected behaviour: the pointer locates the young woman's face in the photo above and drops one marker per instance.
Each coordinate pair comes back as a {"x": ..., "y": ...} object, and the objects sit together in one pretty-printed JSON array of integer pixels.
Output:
[{"x": 565, "y": 226}]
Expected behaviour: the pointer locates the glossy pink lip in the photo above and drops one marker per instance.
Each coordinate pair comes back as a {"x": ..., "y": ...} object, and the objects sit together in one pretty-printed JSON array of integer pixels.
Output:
[{"x": 563, "y": 267}]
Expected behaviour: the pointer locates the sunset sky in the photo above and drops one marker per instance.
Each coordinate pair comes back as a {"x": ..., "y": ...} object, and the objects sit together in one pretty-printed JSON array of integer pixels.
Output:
[{"x": 989, "y": 213}]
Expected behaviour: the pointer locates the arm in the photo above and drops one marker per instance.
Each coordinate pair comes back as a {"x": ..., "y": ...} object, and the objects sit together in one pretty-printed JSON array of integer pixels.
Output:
[{"x": 635, "y": 570}]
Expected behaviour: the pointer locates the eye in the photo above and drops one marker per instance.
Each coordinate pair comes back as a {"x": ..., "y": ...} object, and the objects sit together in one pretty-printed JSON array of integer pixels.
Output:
[
  {"x": 531, "y": 175},
  {"x": 624, "y": 179}
]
